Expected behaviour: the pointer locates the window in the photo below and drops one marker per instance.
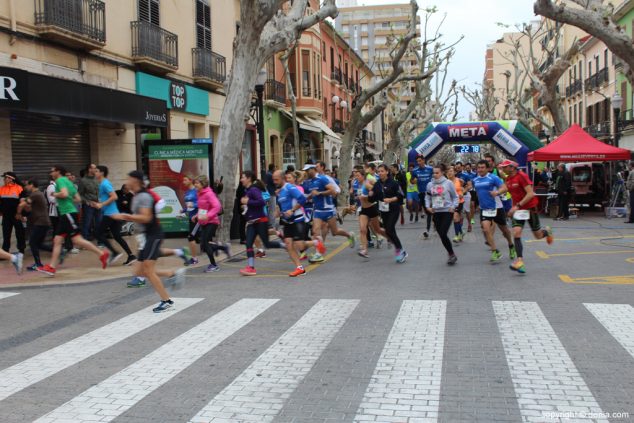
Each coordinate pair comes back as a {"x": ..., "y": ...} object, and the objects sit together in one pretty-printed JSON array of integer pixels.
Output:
[
  {"x": 203, "y": 24},
  {"x": 332, "y": 60},
  {"x": 323, "y": 50},
  {"x": 305, "y": 73},
  {"x": 570, "y": 114},
  {"x": 596, "y": 61},
  {"x": 605, "y": 58},
  {"x": 149, "y": 11},
  {"x": 589, "y": 69},
  {"x": 575, "y": 114}
]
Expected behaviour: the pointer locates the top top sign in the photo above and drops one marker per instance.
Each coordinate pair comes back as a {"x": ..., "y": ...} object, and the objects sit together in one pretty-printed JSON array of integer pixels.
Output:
[{"x": 178, "y": 95}]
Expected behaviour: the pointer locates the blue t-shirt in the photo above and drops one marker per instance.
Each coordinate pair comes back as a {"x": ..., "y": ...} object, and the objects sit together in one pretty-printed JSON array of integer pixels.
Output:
[
  {"x": 466, "y": 177},
  {"x": 319, "y": 183},
  {"x": 483, "y": 186},
  {"x": 423, "y": 176},
  {"x": 287, "y": 198},
  {"x": 105, "y": 188},
  {"x": 191, "y": 202}
]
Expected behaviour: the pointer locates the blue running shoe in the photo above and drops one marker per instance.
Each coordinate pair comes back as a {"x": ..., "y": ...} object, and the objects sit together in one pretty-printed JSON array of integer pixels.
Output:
[
  {"x": 136, "y": 283},
  {"x": 18, "y": 262},
  {"x": 163, "y": 306}
]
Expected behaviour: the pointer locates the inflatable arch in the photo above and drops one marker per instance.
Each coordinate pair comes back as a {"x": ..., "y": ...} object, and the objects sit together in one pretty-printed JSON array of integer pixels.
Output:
[{"x": 513, "y": 138}]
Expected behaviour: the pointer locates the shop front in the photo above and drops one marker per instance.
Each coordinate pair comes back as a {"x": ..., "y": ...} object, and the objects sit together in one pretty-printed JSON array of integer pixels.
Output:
[{"x": 46, "y": 121}]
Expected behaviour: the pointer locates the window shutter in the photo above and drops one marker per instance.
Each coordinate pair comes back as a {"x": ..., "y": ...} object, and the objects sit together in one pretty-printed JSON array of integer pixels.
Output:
[
  {"x": 203, "y": 25},
  {"x": 149, "y": 11}
]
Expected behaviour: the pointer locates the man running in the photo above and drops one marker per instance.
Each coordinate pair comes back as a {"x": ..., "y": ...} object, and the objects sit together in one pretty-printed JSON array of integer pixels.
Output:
[
  {"x": 38, "y": 221},
  {"x": 290, "y": 200},
  {"x": 524, "y": 208},
  {"x": 65, "y": 195},
  {"x": 150, "y": 239},
  {"x": 489, "y": 187},
  {"x": 423, "y": 174},
  {"x": 413, "y": 197},
  {"x": 321, "y": 191},
  {"x": 467, "y": 186}
]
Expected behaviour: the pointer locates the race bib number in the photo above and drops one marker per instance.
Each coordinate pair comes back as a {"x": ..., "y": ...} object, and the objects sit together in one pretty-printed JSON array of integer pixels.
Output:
[
  {"x": 202, "y": 215},
  {"x": 522, "y": 215},
  {"x": 490, "y": 213},
  {"x": 384, "y": 207},
  {"x": 140, "y": 240},
  {"x": 358, "y": 210},
  {"x": 437, "y": 202}
]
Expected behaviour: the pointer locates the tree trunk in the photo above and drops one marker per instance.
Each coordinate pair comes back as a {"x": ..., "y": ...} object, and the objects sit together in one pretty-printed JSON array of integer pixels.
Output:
[
  {"x": 345, "y": 162},
  {"x": 394, "y": 147}
]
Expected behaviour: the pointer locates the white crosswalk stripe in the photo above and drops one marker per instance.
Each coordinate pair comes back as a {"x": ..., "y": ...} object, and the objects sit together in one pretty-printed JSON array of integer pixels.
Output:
[
  {"x": 259, "y": 393},
  {"x": 112, "y": 397},
  {"x": 26, "y": 373},
  {"x": 7, "y": 294},
  {"x": 406, "y": 381},
  {"x": 547, "y": 383},
  {"x": 618, "y": 319}
]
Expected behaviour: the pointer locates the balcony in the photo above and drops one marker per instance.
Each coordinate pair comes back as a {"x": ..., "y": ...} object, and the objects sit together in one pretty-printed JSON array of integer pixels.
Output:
[
  {"x": 275, "y": 91},
  {"x": 337, "y": 126},
  {"x": 600, "y": 130},
  {"x": 335, "y": 76},
  {"x": 591, "y": 82},
  {"x": 209, "y": 68},
  {"x": 153, "y": 47},
  {"x": 602, "y": 76},
  {"x": 573, "y": 88},
  {"x": 77, "y": 23}
]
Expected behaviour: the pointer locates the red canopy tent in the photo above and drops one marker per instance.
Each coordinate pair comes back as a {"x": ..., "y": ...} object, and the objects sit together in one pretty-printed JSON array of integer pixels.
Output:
[{"x": 576, "y": 145}]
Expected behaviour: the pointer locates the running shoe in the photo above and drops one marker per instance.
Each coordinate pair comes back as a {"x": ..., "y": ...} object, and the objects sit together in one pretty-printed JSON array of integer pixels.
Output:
[
  {"x": 371, "y": 244},
  {"x": 47, "y": 270},
  {"x": 473, "y": 221},
  {"x": 549, "y": 235},
  {"x": 163, "y": 306},
  {"x": 518, "y": 266},
  {"x": 457, "y": 238},
  {"x": 320, "y": 247},
  {"x": 363, "y": 253},
  {"x": 426, "y": 235},
  {"x": 227, "y": 249},
  {"x": 104, "y": 259},
  {"x": 260, "y": 254},
  {"x": 496, "y": 256},
  {"x": 136, "y": 283},
  {"x": 512, "y": 253},
  {"x": 352, "y": 240},
  {"x": 297, "y": 272},
  {"x": 316, "y": 258},
  {"x": 131, "y": 260},
  {"x": 379, "y": 243},
  {"x": 74, "y": 251},
  {"x": 212, "y": 268},
  {"x": 178, "y": 280},
  {"x": 114, "y": 259},
  {"x": 402, "y": 257},
  {"x": 32, "y": 268},
  {"x": 19, "y": 261},
  {"x": 303, "y": 256},
  {"x": 417, "y": 218},
  {"x": 248, "y": 271},
  {"x": 411, "y": 218},
  {"x": 187, "y": 255},
  {"x": 452, "y": 260},
  {"x": 193, "y": 261}
]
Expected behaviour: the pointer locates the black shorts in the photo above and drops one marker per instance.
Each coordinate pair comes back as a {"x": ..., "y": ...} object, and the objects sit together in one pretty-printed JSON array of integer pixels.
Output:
[
  {"x": 421, "y": 198},
  {"x": 460, "y": 208},
  {"x": 474, "y": 198},
  {"x": 371, "y": 212},
  {"x": 68, "y": 226},
  {"x": 533, "y": 222},
  {"x": 295, "y": 230},
  {"x": 151, "y": 248},
  {"x": 194, "y": 232},
  {"x": 499, "y": 218}
]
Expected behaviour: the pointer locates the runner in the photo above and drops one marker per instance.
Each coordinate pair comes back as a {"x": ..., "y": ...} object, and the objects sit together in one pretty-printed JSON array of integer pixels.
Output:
[
  {"x": 190, "y": 211},
  {"x": 457, "y": 215},
  {"x": 388, "y": 193},
  {"x": 489, "y": 187},
  {"x": 295, "y": 177},
  {"x": 150, "y": 237},
  {"x": 107, "y": 206},
  {"x": 507, "y": 203},
  {"x": 423, "y": 174},
  {"x": 66, "y": 194},
  {"x": 413, "y": 196},
  {"x": 38, "y": 221},
  {"x": 467, "y": 187},
  {"x": 473, "y": 207},
  {"x": 524, "y": 208},
  {"x": 208, "y": 221},
  {"x": 441, "y": 202},
  {"x": 257, "y": 220},
  {"x": 290, "y": 200},
  {"x": 321, "y": 191},
  {"x": 368, "y": 214}
]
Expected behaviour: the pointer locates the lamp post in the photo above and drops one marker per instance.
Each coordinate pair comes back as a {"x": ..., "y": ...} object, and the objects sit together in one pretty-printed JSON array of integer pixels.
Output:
[
  {"x": 547, "y": 134},
  {"x": 617, "y": 103},
  {"x": 259, "y": 106}
]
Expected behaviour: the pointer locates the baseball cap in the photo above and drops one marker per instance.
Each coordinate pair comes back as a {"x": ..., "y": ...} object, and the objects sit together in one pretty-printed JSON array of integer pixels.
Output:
[
  {"x": 509, "y": 163},
  {"x": 10, "y": 175},
  {"x": 309, "y": 166}
]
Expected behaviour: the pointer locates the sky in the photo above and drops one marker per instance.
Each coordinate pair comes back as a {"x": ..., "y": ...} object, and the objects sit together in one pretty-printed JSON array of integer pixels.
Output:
[{"x": 477, "y": 21}]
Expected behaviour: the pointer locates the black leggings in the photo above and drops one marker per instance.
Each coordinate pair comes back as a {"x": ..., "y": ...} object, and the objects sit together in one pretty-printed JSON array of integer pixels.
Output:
[
  {"x": 8, "y": 224},
  {"x": 38, "y": 234},
  {"x": 207, "y": 234},
  {"x": 389, "y": 222},
  {"x": 443, "y": 221},
  {"x": 115, "y": 229},
  {"x": 260, "y": 229}
]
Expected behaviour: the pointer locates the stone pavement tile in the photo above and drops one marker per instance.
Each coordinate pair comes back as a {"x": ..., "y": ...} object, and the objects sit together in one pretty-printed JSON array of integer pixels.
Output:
[{"x": 475, "y": 371}]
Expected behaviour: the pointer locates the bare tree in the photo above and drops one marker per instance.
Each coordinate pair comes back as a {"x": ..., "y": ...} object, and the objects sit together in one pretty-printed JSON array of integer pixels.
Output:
[
  {"x": 289, "y": 83},
  {"x": 596, "y": 18},
  {"x": 268, "y": 27},
  {"x": 358, "y": 118},
  {"x": 483, "y": 100}
]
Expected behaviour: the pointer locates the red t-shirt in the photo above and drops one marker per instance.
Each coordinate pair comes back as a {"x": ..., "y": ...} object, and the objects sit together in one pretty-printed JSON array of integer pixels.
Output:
[{"x": 517, "y": 188}]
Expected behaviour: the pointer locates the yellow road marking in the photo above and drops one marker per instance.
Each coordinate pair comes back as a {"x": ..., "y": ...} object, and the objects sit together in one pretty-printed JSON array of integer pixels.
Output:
[
  {"x": 580, "y": 239},
  {"x": 225, "y": 276},
  {"x": 544, "y": 255},
  {"x": 630, "y": 260},
  {"x": 599, "y": 280},
  {"x": 328, "y": 256}
]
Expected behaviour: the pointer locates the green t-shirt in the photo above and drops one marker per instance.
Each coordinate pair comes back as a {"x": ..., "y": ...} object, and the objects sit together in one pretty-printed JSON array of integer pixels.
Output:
[{"x": 66, "y": 205}]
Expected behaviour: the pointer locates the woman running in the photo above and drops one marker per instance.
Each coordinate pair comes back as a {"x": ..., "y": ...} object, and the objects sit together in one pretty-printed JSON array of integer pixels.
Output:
[
  {"x": 457, "y": 216},
  {"x": 389, "y": 195},
  {"x": 369, "y": 214},
  {"x": 441, "y": 201},
  {"x": 257, "y": 219},
  {"x": 208, "y": 221},
  {"x": 191, "y": 210}
]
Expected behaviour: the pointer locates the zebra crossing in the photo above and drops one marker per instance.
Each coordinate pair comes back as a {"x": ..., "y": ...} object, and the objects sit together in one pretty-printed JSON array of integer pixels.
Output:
[{"x": 405, "y": 384}]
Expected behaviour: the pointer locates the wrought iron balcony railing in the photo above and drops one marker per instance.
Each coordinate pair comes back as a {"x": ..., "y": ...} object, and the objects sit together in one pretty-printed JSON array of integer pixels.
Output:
[
  {"x": 153, "y": 43},
  {"x": 83, "y": 18},
  {"x": 209, "y": 65}
]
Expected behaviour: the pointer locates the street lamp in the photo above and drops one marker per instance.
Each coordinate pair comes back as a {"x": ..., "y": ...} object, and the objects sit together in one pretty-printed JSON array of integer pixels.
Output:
[
  {"x": 259, "y": 106},
  {"x": 617, "y": 103}
]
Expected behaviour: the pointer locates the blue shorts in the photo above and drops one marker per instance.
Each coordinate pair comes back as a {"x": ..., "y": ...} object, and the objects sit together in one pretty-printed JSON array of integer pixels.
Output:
[
  {"x": 324, "y": 215},
  {"x": 412, "y": 196},
  {"x": 507, "y": 205}
]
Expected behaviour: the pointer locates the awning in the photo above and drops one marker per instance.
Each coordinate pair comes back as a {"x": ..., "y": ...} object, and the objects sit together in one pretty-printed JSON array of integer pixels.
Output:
[
  {"x": 325, "y": 129},
  {"x": 303, "y": 122}
]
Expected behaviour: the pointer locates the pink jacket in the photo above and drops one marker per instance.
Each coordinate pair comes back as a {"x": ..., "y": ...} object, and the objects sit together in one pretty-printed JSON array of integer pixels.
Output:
[{"x": 207, "y": 200}]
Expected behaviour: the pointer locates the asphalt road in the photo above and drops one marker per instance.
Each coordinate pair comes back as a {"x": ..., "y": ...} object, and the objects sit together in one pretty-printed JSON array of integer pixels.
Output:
[{"x": 353, "y": 340}]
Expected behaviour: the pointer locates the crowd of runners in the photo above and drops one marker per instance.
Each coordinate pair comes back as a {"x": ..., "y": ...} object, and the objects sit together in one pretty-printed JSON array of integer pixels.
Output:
[{"x": 292, "y": 210}]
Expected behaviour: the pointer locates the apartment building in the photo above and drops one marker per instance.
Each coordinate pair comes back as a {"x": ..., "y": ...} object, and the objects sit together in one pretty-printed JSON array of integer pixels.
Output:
[{"x": 96, "y": 81}]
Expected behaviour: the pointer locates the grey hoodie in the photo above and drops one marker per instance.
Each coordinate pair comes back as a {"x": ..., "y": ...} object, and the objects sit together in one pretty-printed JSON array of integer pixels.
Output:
[{"x": 441, "y": 195}]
